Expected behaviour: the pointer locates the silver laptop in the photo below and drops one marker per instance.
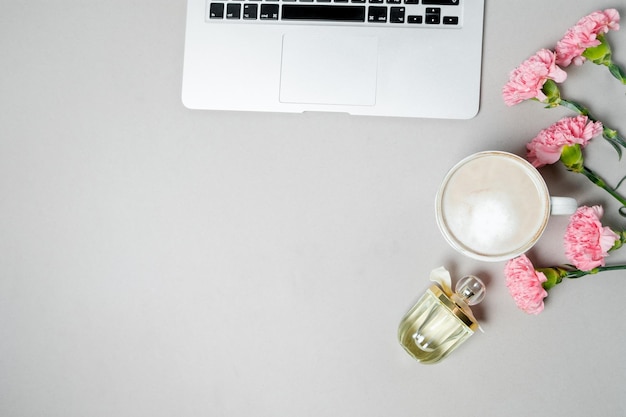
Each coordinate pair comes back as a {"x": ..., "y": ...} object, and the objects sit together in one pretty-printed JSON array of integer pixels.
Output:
[{"x": 407, "y": 58}]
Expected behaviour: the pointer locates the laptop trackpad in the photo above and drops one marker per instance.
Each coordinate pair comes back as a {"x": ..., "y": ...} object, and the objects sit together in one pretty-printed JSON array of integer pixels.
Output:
[{"x": 326, "y": 70}]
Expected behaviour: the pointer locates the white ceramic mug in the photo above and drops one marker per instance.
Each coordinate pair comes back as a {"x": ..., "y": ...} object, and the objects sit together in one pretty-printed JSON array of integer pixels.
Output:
[{"x": 494, "y": 206}]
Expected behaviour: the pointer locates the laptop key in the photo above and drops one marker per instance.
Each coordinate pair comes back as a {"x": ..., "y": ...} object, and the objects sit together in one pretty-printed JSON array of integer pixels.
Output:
[
  {"x": 441, "y": 2},
  {"x": 250, "y": 11},
  {"x": 269, "y": 12},
  {"x": 216, "y": 11},
  {"x": 323, "y": 12},
  {"x": 433, "y": 15},
  {"x": 450, "y": 20},
  {"x": 233, "y": 11},
  {"x": 377, "y": 14},
  {"x": 396, "y": 14}
]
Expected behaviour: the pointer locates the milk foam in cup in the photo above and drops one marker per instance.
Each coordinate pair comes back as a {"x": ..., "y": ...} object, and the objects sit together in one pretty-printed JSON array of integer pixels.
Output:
[{"x": 494, "y": 206}]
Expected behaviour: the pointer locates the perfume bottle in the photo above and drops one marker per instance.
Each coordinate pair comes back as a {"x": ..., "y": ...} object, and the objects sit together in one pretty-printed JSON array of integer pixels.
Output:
[{"x": 441, "y": 320}]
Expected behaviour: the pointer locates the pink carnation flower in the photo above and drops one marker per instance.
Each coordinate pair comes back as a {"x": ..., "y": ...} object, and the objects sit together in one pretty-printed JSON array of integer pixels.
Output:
[
  {"x": 525, "y": 284},
  {"x": 547, "y": 146},
  {"x": 583, "y": 35},
  {"x": 527, "y": 80},
  {"x": 586, "y": 241}
]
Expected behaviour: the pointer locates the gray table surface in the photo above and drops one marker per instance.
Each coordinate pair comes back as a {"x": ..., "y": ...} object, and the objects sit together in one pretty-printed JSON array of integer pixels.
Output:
[{"x": 158, "y": 261}]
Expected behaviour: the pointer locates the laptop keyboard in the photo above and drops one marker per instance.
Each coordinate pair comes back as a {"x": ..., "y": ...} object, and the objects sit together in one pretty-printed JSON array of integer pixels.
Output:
[{"x": 415, "y": 13}]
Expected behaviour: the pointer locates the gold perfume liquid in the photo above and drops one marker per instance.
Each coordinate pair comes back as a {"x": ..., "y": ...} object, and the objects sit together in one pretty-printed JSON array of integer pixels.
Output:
[{"x": 438, "y": 323}]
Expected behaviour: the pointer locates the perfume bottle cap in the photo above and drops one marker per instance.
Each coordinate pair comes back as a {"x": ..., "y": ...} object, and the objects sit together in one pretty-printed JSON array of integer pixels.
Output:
[{"x": 471, "y": 289}]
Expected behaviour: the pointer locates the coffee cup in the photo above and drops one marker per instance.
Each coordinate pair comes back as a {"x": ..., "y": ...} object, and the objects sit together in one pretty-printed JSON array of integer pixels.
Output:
[{"x": 494, "y": 205}]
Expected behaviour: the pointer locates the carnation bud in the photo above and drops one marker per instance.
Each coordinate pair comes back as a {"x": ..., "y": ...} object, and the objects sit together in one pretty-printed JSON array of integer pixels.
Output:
[
  {"x": 552, "y": 92},
  {"x": 600, "y": 54},
  {"x": 620, "y": 241},
  {"x": 572, "y": 157},
  {"x": 554, "y": 275}
]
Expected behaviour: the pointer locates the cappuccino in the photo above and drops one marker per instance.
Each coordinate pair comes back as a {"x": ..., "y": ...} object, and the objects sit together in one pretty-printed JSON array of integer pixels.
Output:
[{"x": 493, "y": 206}]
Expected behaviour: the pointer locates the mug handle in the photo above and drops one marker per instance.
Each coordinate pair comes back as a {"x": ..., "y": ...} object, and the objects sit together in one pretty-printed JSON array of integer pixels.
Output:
[{"x": 562, "y": 205}]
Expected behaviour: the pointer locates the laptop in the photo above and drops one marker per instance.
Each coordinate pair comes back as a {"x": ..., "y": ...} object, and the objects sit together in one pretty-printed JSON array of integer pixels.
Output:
[{"x": 404, "y": 58}]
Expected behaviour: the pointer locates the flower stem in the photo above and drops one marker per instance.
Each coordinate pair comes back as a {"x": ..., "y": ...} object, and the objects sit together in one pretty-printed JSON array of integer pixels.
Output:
[
  {"x": 555, "y": 274},
  {"x": 577, "y": 273},
  {"x": 611, "y": 135},
  {"x": 593, "y": 177}
]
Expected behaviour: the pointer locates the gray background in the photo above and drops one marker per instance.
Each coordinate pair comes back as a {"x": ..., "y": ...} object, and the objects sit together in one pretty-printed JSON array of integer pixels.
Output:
[{"x": 158, "y": 261}]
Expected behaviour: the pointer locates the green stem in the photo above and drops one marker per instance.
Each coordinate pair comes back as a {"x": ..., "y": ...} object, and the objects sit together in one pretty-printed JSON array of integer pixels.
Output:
[
  {"x": 555, "y": 275},
  {"x": 577, "y": 273},
  {"x": 600, "y": 183},
  {"x": 611, "y": 135}
]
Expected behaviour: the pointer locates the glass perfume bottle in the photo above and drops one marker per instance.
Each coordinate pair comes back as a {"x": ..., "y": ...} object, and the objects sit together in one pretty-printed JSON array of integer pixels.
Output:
[{"x": 441, "y": 320}]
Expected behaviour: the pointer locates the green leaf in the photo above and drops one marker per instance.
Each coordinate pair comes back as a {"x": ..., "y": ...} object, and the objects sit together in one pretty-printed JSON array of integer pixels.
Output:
[
  {"x": 615, "y": 145},
  {"x": 571, "y": 105},
  {"x": 619, "y": 140},
  {"x": 614, "y": 139},
  {"x": 613, "y": 136},
  {"x": 617, "y": 72}
]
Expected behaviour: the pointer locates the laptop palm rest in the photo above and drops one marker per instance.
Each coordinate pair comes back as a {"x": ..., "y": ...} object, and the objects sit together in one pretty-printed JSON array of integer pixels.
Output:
[{"x": 318, "y": 69}]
